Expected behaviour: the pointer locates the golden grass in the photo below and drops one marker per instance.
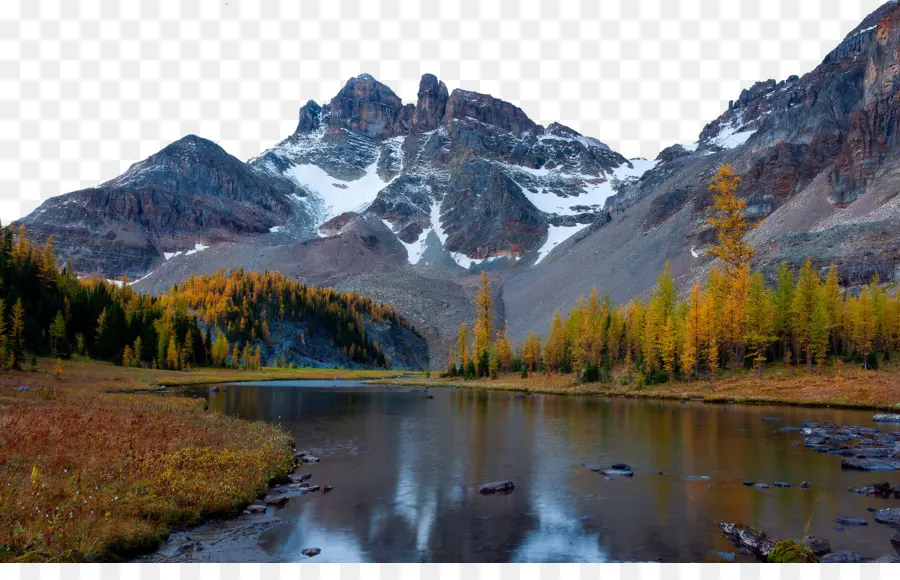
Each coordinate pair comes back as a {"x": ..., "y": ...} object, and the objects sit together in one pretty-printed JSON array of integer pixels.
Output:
[
  {"x": 88, "y": 475},
  {"x": 849, "y": 386}
]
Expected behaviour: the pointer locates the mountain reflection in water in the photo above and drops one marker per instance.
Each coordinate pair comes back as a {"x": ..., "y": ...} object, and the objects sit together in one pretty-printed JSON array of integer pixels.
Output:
[{"x": 405, "y": 471}]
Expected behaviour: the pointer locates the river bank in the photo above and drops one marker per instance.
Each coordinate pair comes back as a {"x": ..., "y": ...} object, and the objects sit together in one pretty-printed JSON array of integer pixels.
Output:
[
  {"x": 92, "y": 471},
  {"x": 847, "y": 387}
]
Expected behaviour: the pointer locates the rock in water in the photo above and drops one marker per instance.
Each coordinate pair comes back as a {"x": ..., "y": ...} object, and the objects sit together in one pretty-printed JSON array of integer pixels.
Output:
[
  {"x": 761, "y": 485},
  {"x": 842, "y": 557},
  {"x": 299, "y": 477},
  {"x": 496, "y": 487},
  {"x": 310, "y": 552},
  {"x": 752, "y": 540},
  {"x": 257, "y": 507},
  {"x": 748, "y": 483},
  {"x": 848, "y": 521},
  {"x": 890, "y": 516},
  {"x": 887, "y": 418},
  {"x": 865, "y": 464},
  {"x": 818, "y": 546},
  {"x": 896, "y": 540},
  {"x": 781, "y": 484},
  {"x": 805, "y": 485}
]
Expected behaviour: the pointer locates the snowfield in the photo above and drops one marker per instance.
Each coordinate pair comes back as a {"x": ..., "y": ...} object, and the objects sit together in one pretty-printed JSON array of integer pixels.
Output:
[
  {"x": 335, "y": 196},
  {"x": 555, "y": 236}
]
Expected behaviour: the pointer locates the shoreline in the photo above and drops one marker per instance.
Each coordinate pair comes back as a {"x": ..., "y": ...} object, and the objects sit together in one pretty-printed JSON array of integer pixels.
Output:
[{"x": 865, "y": 391}]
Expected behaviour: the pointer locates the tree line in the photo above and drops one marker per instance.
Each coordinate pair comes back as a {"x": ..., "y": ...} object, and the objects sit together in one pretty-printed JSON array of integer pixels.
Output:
[
  {"x": 734, "y": 319},
  {"x": 220, "y": 319}
]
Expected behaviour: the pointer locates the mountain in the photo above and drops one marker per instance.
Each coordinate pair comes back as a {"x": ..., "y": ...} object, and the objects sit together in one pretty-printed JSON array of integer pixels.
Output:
[
  {"x": 189, "y": 195},
  {"x": 404, "y": 202},
  {"x": 820, "y": 173}
]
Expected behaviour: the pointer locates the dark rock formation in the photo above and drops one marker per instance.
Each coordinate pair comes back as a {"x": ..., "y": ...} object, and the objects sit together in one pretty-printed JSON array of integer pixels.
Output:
[
  {"x": 817, "y": 546},
  {"x": 496, "y": 487},
  {"x": 750, "y": 539}
]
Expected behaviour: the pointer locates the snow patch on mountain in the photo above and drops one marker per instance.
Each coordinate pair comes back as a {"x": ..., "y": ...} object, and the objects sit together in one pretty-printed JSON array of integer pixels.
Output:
[
  {"x": 730, "y": 135},
  {"x": 555, "y": 236},
  {"x": 596, "y": 190},
  {"x": 335, "y": 196}
]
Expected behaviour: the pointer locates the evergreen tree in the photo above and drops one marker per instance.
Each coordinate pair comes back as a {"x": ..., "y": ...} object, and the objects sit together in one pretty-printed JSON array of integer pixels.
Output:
[
  {"x": 805, "y": 298},
  {"x": 759, "y": 325}
]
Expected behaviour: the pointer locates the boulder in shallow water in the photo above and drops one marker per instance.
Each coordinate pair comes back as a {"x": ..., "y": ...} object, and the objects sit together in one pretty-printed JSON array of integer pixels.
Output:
[
  {"x": 750, "y": 539},
  {"x": 842, "y": 557},
  {"x": 896, "y": 540},
  {"x": 848, "y": 521},
  {"x": 887, "y": 559},
  {"x": 781, "y": 484},
  {"x": 805, "y": 485},
  {"x": 866, "y": 464},
  {"x": 887, "y": 418},
  {"x": 816, "y": 545},
  {"x": 748, "y": 483},
  {"x": 257, "y": 507},
  {"x": 496, "y": 487},
  {"x": 761, "y": 485},
  {"x": 310, "y": 552},
  {"x": 890, "y": 517}
]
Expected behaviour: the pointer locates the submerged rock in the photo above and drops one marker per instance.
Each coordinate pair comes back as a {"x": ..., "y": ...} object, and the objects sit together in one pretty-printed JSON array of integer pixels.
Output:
[
  {"x": 299, "y": 477},
  {"x": 781, "y": 484},
  {"x": 697, "y": 478},
  {"x": 887, "y": 559},
  {"x": 890, "y": 517},
  {"x": 748, "y": 483},
  {"x": 761, "y": 485},
  {"x": 496, "y": 487},
  {"x": 750, "y": 539},
  {"x": 310, "y": 552},
  {"x": 729, "y": 556},
  {"x": 849, "y": 521},
  {"x": 842, "y": 557},
  {"x": 865, "y": 464},
  {"x": 805, "y": 485}
]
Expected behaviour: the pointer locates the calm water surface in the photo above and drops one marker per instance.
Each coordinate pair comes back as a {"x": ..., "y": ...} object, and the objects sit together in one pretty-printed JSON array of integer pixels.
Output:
[{"x": 405, "y": 470}]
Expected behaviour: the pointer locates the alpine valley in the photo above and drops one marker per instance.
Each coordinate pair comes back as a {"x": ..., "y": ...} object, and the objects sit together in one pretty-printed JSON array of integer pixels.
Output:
[{"x": 406, "y": 203}]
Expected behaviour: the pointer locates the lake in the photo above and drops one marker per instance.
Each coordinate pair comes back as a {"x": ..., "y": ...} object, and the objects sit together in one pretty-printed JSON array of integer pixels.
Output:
[{"x": 405, "y": 469}]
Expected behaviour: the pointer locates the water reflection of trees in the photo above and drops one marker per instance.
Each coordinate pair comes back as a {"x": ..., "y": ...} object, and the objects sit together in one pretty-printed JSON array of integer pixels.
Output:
[{"x": 408, "y": 468}]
